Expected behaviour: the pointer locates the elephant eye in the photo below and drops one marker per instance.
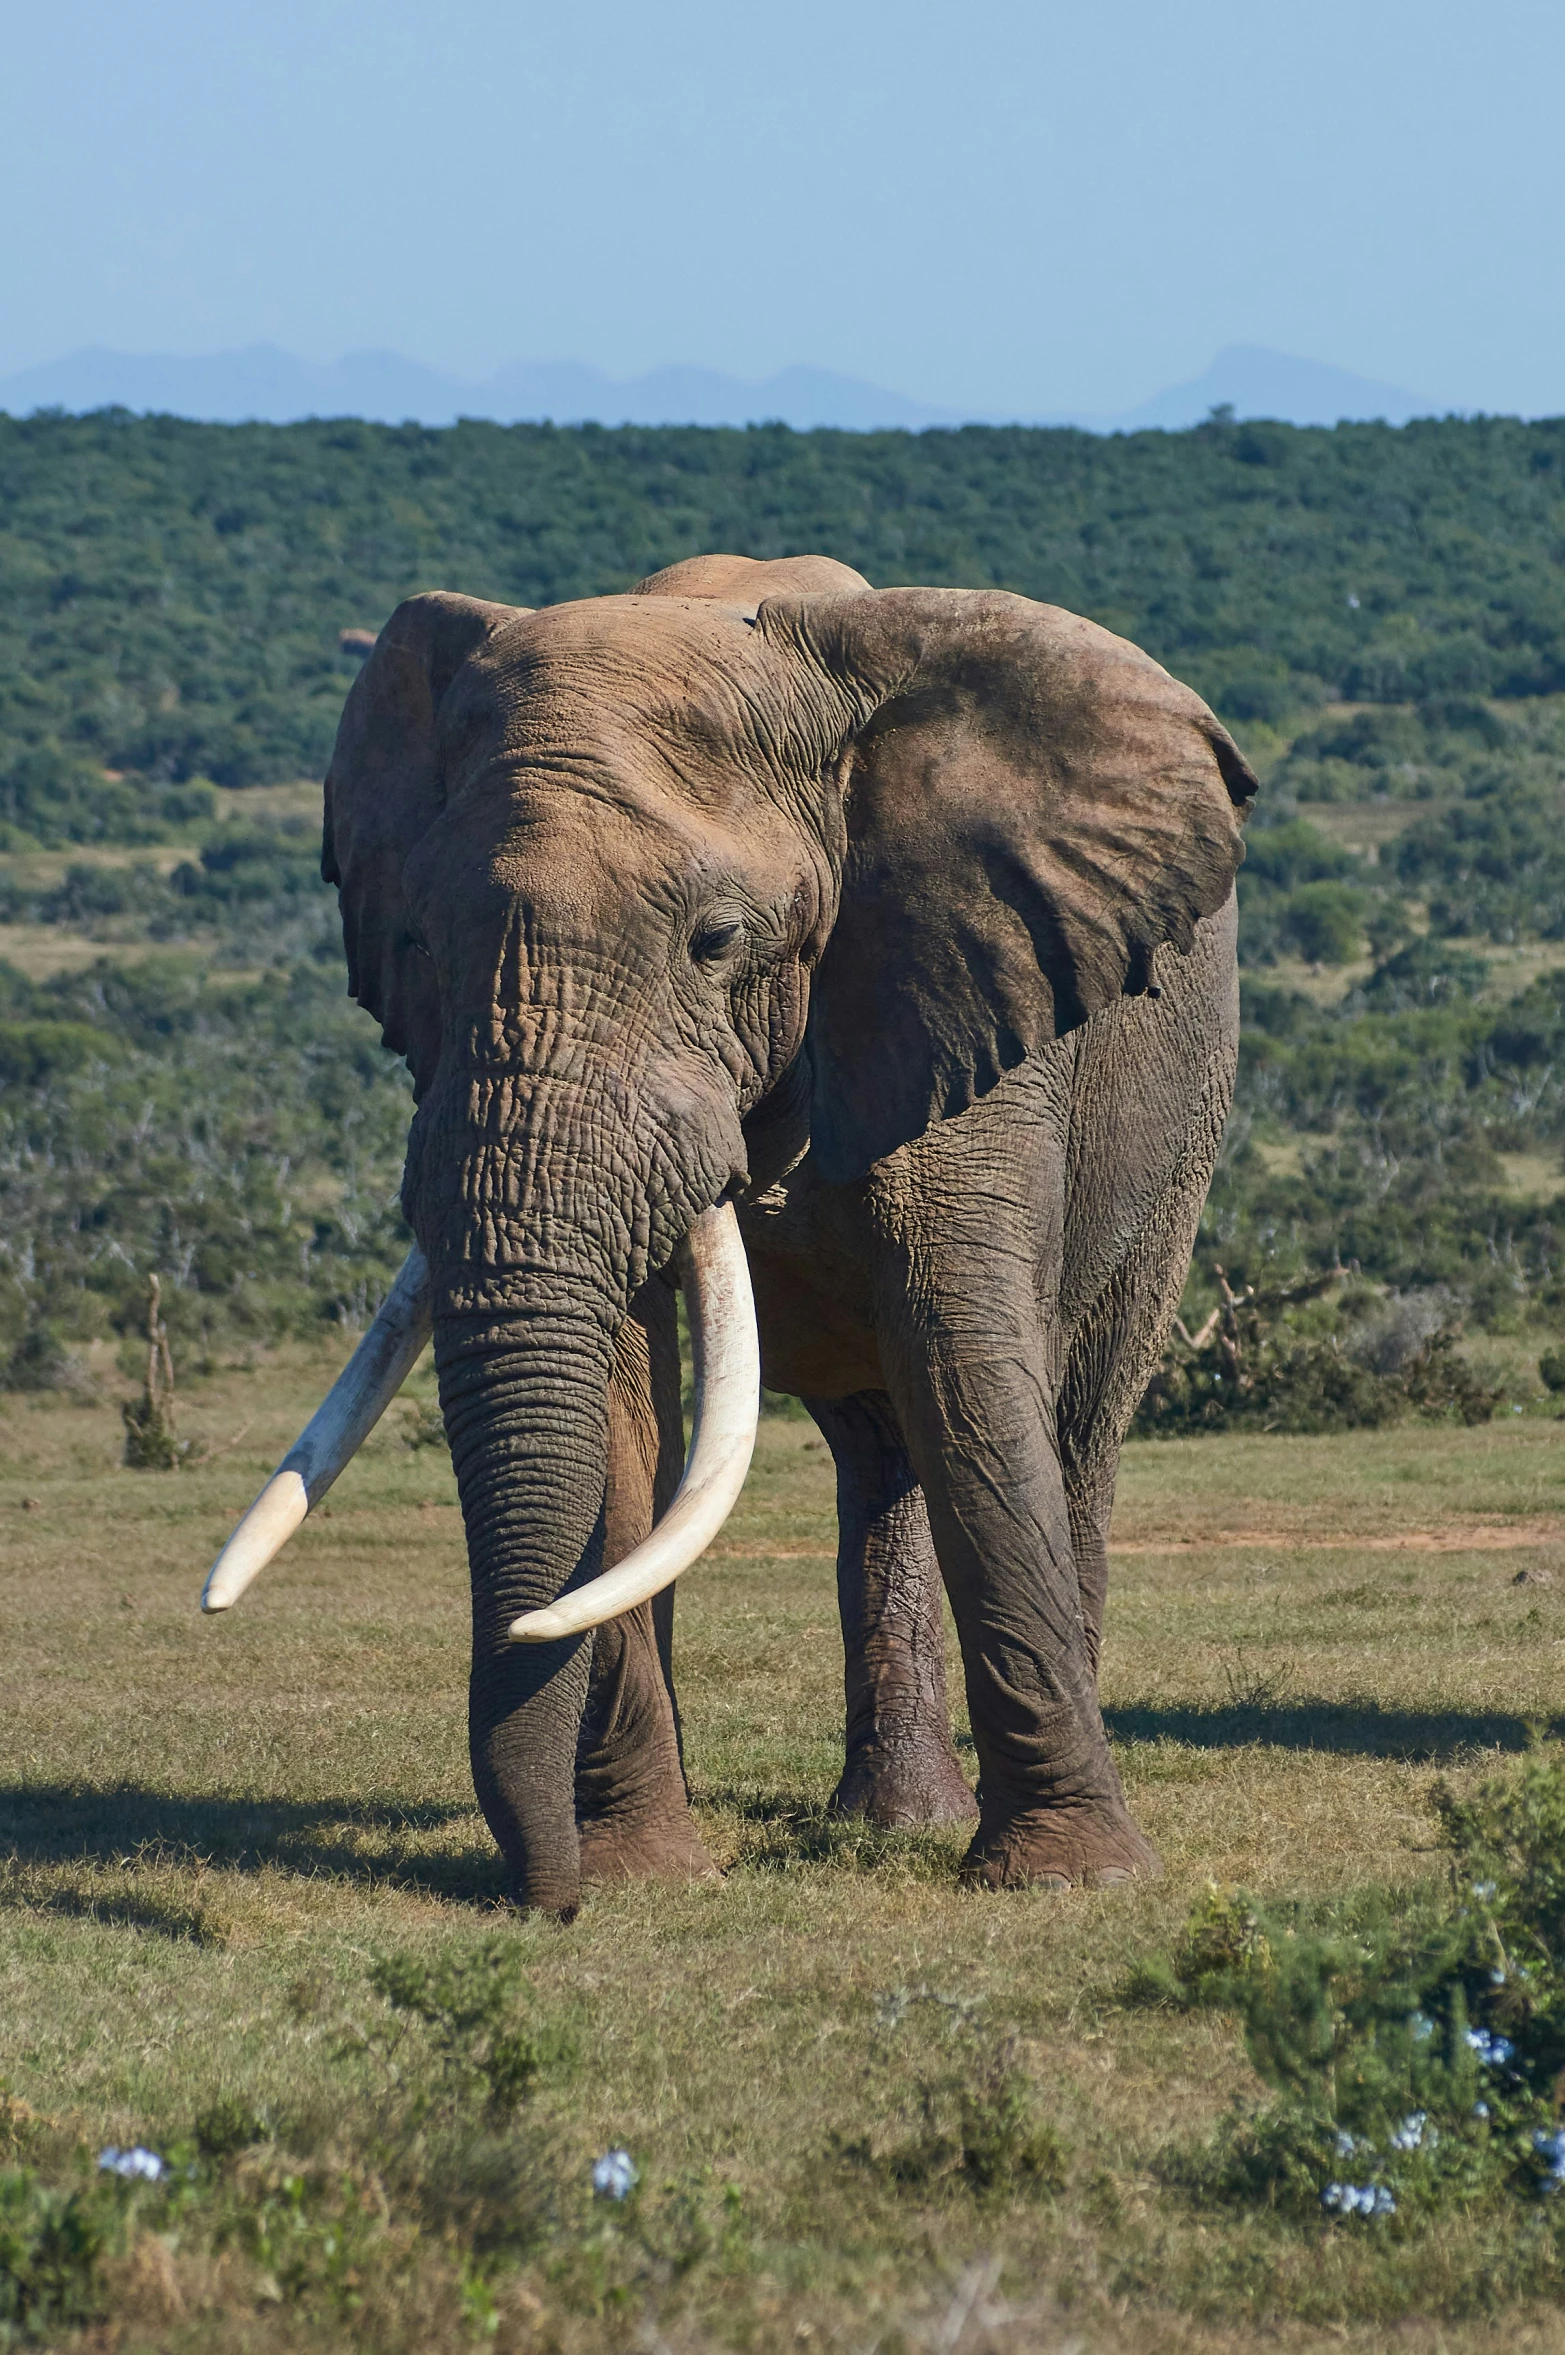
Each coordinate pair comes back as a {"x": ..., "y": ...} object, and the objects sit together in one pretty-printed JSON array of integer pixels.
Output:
[
  {"x": 717, "y": 940},
  {"x": 412, "y": 941}
]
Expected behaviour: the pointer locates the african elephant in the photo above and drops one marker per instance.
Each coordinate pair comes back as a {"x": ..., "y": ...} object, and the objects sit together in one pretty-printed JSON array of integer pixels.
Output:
[{"x": 902, "y": 922}]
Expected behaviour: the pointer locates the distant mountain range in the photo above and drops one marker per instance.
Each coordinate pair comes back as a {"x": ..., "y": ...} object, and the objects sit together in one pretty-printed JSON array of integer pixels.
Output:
[{"x": 265, "y": 383}]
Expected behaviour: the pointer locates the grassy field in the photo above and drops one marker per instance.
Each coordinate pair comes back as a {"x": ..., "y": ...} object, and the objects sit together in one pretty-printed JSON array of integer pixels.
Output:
[{"x": 212, "y": 1832}]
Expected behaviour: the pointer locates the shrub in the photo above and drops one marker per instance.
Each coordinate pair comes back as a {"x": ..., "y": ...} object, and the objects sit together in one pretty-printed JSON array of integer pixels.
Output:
[
  {"x": 981, "y": 2137},
  {"x": 473, "y": 2006},
  {"x": 1444, "y": 1388},
  {"x": 1425, "y": 972},
  {"x": 1284, "y": 1357},
  {"x": 52, "y": 2243},
  {"x": 332, "y": 2204},
  {"x": 974, "y": 2127},
  {"x": 1413, "y": 2045},
  {"x": 32, "y": 1053},
  {"x": 1325, "y": 921},
  {"x": 40, "y": 1361}
]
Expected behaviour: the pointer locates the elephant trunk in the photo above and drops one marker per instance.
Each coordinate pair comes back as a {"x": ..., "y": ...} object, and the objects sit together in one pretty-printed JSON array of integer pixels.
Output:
[
  {"x": 525, "y": 1399},
  {"x": 527, "y": 1281}
]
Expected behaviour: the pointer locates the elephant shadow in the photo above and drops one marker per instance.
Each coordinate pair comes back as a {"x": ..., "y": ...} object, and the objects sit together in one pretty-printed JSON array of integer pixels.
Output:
[
  {"x": 131, "y": 1831},
  {"x": 1350, "y": 1729},
  {"x": 779, "y": 1830},
  {"x": 147, "y": 1839}
]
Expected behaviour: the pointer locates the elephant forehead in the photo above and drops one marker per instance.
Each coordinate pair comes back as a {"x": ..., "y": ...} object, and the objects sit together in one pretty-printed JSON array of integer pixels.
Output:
[
  {"x": 617, "y": 684},
  {"x": 563, "y": 861}
]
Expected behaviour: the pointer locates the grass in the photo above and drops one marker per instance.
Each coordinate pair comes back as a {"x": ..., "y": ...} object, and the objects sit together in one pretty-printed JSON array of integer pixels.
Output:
[
  {"x": 832, "y": 2066},
  {"x": 40, "y": 952}
]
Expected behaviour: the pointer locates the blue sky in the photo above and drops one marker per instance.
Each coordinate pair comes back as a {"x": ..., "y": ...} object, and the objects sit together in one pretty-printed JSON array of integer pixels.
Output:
[{"x": 986, "y": 203}]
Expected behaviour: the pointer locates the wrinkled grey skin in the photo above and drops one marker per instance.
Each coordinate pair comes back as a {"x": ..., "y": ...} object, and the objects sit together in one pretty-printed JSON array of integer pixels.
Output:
[
  {"x": 992, "y": 1299},
  {"x": 903, "y": 919}
]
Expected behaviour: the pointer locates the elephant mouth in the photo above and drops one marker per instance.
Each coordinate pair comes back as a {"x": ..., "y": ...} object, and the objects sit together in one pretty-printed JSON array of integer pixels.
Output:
[{"x": 715, "y": 1278}]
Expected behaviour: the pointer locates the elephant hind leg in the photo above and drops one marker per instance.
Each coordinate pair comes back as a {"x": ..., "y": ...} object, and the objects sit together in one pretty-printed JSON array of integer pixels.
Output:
[
  {"x": 632, "y": 1809},
  {"x": 900, "y": 1765},
  {"x": 1115, "y": 1340},
  {"x": 966, "y": 1225}
]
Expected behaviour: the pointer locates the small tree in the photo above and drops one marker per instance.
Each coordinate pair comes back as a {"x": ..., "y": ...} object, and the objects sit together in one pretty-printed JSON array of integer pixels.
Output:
[{"x": 151, "y": 1441}]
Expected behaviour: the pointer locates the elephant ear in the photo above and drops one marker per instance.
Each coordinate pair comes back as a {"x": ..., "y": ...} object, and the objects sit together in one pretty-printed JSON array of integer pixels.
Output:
[
  {"x": 1032, "y": 807},
  {"x": 384, "y": 789}
]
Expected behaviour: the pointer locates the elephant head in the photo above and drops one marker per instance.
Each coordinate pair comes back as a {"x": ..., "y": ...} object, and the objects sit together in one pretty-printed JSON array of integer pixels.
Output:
[{"x": 652, "y": 891}]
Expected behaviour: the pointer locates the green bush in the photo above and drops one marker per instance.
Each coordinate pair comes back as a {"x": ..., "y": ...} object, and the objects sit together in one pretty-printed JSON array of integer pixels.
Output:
[
  {"x": 474, "y": 2008},
  {"x": 53, "y": 794},
  {"x": 1325, "y": 922},
  {"x": 980, "y": 2135},
  {"x": 40, "y": 1361},
  {"x": 52, "y": 2245},
  {"x": 1414, "y": 2044},
  {"x": 1323, "y": 1353},
  {"x": 415, "y": 2142},
  {"x": 1494, "y": 864},
  {"x": 423, "y": 1425},
  {"x": 1425, "y": 972},
  {"x": 1400, "y": 1111},
  {"x": 32, "y": 1053},
  {"x": 968, "y": 2127}
]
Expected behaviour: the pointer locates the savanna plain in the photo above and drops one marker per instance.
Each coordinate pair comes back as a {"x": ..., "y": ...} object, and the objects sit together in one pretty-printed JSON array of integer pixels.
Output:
[
  {"x": 251, "y": 1923},
  {"x": 251, "y": 1920}
]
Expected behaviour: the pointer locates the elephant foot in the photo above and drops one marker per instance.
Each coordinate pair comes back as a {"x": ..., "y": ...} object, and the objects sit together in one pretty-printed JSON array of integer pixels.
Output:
[
  {"x": 895, "y": 1786},
  {"x": 664, "y": 1848},
  {"x": 1072, "y": 1846}
]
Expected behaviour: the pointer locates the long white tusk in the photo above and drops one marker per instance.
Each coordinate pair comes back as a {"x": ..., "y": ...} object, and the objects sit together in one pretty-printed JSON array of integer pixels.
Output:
[
  {"x": 716, "y": 1278},
  {"x": 352, "y": 1407}
]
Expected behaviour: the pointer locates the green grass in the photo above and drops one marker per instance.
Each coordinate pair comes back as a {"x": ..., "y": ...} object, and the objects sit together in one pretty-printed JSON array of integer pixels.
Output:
[{"x": 212, "y": 1832}]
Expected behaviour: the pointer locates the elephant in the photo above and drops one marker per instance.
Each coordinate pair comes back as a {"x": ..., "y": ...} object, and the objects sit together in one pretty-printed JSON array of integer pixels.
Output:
[{"x": 867, "y": 955}]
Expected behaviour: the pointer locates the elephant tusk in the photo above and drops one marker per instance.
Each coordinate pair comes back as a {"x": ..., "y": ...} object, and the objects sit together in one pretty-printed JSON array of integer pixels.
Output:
[
  {"x": 716, "y": 1278},
  {"x": 352, "y": 1407}
]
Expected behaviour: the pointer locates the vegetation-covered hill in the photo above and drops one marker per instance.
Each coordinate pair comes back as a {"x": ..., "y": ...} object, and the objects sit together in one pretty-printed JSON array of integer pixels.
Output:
[
  {"x": 1379, "y": 613},
  {"x": 172, "y": 593}
]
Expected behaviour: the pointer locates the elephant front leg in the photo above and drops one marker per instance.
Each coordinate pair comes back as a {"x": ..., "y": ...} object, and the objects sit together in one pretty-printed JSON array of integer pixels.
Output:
[
  {"x": 632, "y": 1810},
  {"x": 900, "y": 1765}
]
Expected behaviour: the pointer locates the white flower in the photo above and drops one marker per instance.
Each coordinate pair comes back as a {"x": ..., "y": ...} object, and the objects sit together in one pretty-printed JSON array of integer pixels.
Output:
[
  {"x": 1493, "y": 2051},
  {"x": 1410, "y": 2133},
  {"x": 138, "y": 2163},
  {"x": 615, "y": 2176},
  {"x": 1358, "y": 2199}
]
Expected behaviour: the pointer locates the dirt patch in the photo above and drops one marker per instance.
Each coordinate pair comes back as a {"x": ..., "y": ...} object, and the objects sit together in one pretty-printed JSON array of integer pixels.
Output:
[{"x": 1473, "y": 1537}]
